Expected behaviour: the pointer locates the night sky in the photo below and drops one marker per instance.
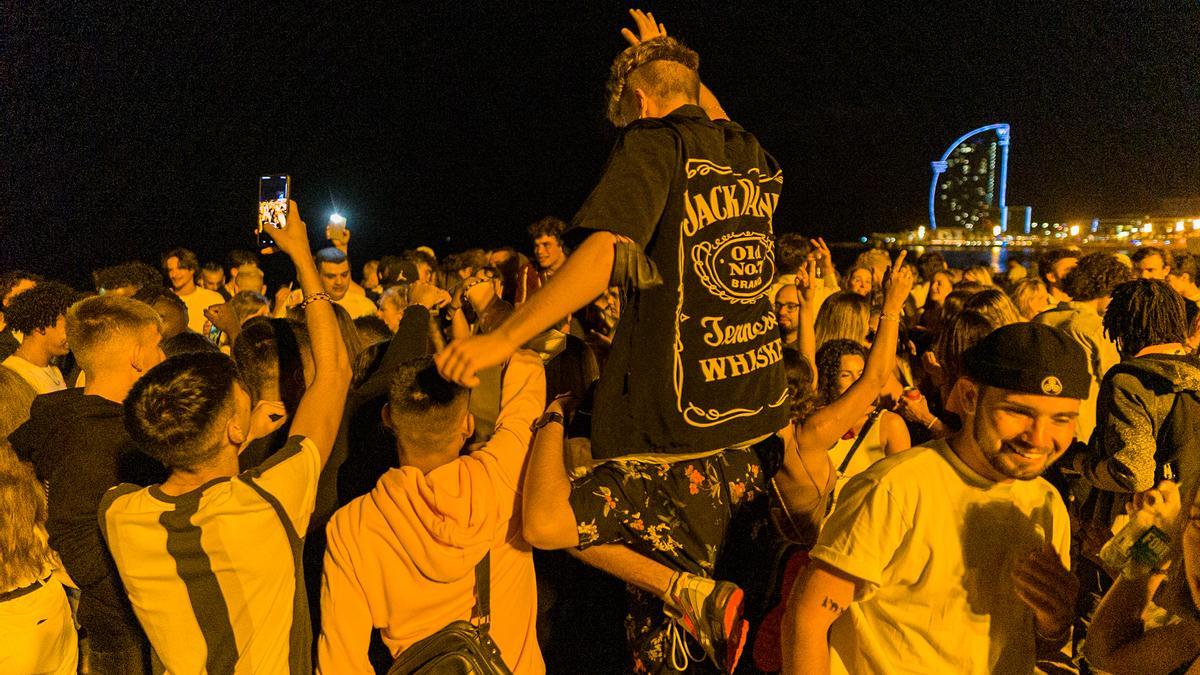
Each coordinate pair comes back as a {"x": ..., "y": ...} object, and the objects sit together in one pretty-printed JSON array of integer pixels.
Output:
[{"x": 134, "y": 127}]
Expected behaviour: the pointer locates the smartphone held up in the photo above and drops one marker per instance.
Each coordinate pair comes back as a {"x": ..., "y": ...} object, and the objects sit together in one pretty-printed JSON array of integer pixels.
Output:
[{"x": 274, "y": 191}]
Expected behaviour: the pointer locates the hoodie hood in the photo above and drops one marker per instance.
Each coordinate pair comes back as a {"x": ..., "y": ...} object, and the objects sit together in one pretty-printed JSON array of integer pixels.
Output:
[
  {"x": 1164, "y": 373},
  {"x": 446, "y": 520},
  {"x": 46, "y": 418}
]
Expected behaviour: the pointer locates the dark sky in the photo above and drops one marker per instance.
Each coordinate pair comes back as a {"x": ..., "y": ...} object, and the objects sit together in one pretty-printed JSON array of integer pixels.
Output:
[{"x": 132, "y": 127}]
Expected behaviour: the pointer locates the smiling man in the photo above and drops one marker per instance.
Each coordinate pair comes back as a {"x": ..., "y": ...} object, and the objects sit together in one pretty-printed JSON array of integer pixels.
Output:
[{"x": 952, "y": 557}]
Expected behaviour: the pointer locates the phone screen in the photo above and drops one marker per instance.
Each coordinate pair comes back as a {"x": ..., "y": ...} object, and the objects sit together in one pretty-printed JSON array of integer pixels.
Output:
[{"x": 273, "y": 195}]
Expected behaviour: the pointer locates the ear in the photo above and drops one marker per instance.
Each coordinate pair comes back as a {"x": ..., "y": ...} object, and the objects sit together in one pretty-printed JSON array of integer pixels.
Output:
[
  {"x": 644, "y": 104},
  {"x": 468, "y": 428},
  {"x": 235, "y": 433},
  {"x": 969, "y": 393},
  {"x": 386, "y": 414}
]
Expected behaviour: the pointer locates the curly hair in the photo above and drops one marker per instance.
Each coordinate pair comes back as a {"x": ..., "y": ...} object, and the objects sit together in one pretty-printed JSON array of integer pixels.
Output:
[
  {"x": 175, "y": 412},
  {"x": 40, "y": 306},
  {"x": 9, "y": 281},
  {"x": 791, "y": 250},
  {"x": 799, "y": 377},
  {"x": 656, "y": 66},
  {"x": 829, "y": 364},
  {"x": 1096, "y": 275},
  {"x": 135, "y": 273},
  {"x": 547, "y": 227},
  {"x": 1144, "y": 313}
]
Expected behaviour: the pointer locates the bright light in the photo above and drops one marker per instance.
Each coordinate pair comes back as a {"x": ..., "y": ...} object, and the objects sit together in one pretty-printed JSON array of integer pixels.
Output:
[
  {"x": 337, "y": 219},
  {"x": 921, "y": 232},
  {"x": 1074, "y": 230},
  {"x": 1147, "y": 228},
  {"x": 996, "y": 231},
  {"x": 1196, "y": 224},
  {"x": 1179, "y": 226}
]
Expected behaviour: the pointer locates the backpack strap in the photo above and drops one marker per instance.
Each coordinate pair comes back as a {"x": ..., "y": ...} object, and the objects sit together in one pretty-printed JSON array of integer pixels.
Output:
[
  {"x": 862, "y": 433},
  {"x": 483, "y": 590}
]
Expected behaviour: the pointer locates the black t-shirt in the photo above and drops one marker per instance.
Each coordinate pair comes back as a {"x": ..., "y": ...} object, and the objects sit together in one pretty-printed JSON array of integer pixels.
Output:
[{"x": 695, "y": 364}]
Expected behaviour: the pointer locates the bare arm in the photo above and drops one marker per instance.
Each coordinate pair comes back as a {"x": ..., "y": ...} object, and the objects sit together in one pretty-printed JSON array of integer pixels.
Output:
[
  {"x": 819, "y": 597},
  {"x": 320, "y": 411},
  {"x": 1118, "y": 642},
  {"x": 547, "y": 520},
  {"x": 894, "y": 433},
  {"x": 806, "y": 286},
  {"x": 824, "y": 427},
  {"x": 583, "y": 277}
]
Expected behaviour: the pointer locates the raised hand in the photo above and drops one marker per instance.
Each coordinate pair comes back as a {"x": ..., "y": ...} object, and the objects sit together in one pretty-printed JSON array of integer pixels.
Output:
[
  {"x": 462, "y": 359},
  {"x": 897, "y": 284},
  {"x": 432, "y": 297},
  {"x": 647, "y": 27},
  {"x": 806, "y": 283},
  {"x": 292, "y": 238}
]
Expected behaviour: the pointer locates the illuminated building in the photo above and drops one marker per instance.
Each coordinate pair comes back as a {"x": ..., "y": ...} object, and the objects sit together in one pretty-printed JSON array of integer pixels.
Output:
[{"x": 970, "y": 181}]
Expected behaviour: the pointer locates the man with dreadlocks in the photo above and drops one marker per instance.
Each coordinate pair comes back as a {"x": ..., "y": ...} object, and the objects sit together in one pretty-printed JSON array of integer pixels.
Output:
[{"x": 694, "y": 389}]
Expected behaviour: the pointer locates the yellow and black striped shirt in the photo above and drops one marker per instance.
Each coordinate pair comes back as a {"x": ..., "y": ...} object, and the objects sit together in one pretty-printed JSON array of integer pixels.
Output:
[{"x": 214, "y": 575}]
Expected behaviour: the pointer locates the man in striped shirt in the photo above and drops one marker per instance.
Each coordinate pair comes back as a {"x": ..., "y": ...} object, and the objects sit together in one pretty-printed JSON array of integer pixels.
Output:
[{"x": 211, "y": 558}]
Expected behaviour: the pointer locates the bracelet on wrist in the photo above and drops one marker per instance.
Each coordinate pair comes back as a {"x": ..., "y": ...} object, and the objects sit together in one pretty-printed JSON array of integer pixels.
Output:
[
  {"x": 884, "y": 316},
  {"x": 932, "y": 421},
  {"x": 321, "y": 295}
]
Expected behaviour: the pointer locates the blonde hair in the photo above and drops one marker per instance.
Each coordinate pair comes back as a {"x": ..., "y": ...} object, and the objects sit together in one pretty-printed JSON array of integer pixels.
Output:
[
  {"x": 995, "y": 306},
  {"x": 654, "y": 62},
  {"x": 843, "y": 316},
  {"x": 1023, "y": 294},
  {"x": 24, "y": 551},
  {"x": 93, "y": 324}
]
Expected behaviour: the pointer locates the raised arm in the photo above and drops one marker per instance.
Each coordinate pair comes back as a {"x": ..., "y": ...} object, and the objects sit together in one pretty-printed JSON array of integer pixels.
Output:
[
  {"x": 648, "y": 29},
  {"x": 582, "y": 278},
  {"x": 806, "y": 287},
  {"x": 320, "y": 411},
  {"x": 824, "y": 427}
]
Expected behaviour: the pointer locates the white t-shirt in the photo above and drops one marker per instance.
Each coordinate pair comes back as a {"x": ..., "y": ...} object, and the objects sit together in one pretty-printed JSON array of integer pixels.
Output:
[
  {"x": 357, "y": 304},
  {"x": 935, "y": 544},
  {"x": 43, "y": 380},
  {"x": 197, "y": 301}
]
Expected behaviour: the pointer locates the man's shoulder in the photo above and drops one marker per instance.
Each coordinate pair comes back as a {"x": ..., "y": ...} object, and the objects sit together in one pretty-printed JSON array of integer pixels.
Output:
[{"x": 899, "y": 468}]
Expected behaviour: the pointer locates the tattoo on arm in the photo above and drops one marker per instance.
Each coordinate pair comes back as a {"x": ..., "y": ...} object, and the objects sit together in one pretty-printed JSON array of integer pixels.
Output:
[{"x": 831, "y": 605}]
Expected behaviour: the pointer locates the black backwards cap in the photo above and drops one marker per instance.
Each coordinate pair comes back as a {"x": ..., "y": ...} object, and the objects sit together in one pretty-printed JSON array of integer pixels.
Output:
[{"x": 1032, "y": 359}]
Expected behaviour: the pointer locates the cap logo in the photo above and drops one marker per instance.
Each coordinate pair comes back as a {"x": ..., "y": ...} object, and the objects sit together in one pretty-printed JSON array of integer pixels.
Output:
[{"x": 1052, "y": 386}]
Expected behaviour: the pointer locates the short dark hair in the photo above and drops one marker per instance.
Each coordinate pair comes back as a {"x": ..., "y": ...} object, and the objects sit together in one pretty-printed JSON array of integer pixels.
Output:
[
  {"x": 1144, "y": 252},
  {"x": 547, "y": 227},
  {"x": 187, "y": 259},
  {"x": 212, "y": 266},
  {"x": 187, "y": 343},
  {"x": 172, "y": 412},
  {"x": 134, "y": 273},
  {"x": 1050, "y": 257},
  {"x": 1096, "y": 275},
  {"x": 331, "y": 255},
  {"x": 40, "y": 307},
  {"x": 152, "y": 294},
  {"x": 238, "y": 257},
  {"x": 931, "y": 263},
  {"x": 372, "y": 329},
  {"x": 791, "y": 250},
  {"x": 422, "y": 402},
  {"x": 1186, "y": 263},
  {"x": 9, "y": 281},
  {"x": 1144, "y": 313},
  {"x": 267, "y": 351}
]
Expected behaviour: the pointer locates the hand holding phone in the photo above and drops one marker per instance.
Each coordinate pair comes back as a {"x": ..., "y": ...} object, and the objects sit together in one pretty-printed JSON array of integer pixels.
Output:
[{"x": 274, "y": 193}]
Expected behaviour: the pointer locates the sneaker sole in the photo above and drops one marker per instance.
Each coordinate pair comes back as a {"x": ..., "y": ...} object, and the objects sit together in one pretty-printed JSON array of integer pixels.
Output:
[{"x": 733, "y": 629}]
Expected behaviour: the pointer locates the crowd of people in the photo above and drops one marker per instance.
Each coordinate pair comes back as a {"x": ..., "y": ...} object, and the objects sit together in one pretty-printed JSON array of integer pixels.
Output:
[{"x": 895, "y": 467}]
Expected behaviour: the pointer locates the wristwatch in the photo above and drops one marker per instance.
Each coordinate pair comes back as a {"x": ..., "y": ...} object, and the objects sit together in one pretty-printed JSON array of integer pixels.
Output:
[{"x": 548, "y": 417}]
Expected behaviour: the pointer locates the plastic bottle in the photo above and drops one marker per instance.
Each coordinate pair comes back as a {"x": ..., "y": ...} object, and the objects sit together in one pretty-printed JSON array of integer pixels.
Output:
[{"x": 1139, "y": 548}]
